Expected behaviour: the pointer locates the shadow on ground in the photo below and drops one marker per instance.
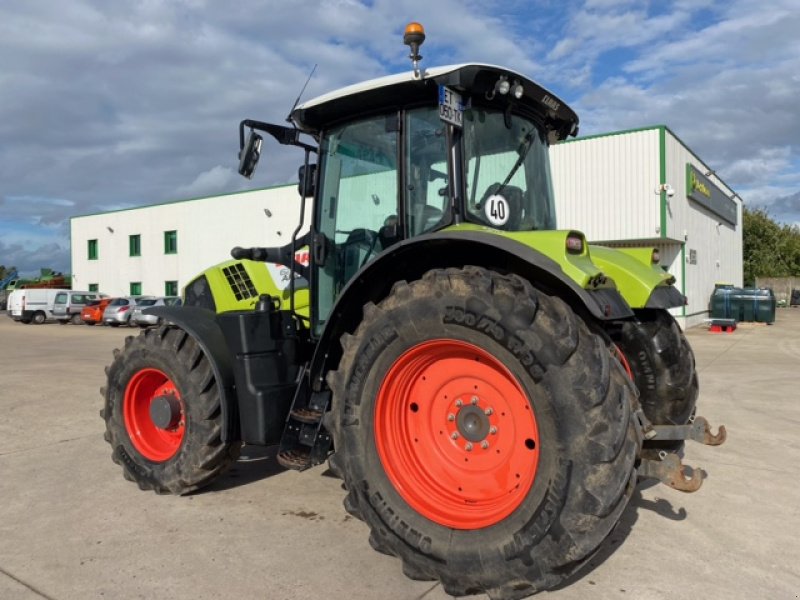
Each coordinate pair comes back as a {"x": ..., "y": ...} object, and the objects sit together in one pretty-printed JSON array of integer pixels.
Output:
[{"x": 624, "y": 527}]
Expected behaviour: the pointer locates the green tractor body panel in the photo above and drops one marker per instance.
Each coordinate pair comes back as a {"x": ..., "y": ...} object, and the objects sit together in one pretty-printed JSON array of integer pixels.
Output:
[
  {"x": 237, "y": 285},
  {"x": 636, "y": 276},
  {"x": 578, "y": 266}
]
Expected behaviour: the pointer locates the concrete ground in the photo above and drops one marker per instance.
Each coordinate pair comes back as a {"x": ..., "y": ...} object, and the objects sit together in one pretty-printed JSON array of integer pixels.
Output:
[{"x": 72, "y": 528}]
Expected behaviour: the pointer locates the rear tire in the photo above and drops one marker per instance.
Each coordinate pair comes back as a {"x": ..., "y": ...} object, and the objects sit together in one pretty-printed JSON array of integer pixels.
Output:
[
  {"x": 38, "y": 318},
  {"x": 76, "y": 320},
  {"x": 522, "y": 513},
  {"x": 165, "y": 365},
  {"x": 663, "y": 367}
]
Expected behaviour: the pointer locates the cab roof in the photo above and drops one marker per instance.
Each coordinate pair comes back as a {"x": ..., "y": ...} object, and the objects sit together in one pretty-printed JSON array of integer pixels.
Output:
[{"x": 475, "y": 80}]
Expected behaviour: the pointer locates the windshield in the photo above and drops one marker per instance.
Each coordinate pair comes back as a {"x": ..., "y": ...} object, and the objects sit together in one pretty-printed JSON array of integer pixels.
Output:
[{"x": 507, "y": 172}]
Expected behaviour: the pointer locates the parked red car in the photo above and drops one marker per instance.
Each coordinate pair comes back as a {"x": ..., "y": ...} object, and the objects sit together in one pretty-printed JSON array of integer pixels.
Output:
[{"x": 93, "y": 312}]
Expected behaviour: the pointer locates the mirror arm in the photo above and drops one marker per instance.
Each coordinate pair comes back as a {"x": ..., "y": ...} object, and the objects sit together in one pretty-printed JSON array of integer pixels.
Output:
[{"x": 288, "y": 136}]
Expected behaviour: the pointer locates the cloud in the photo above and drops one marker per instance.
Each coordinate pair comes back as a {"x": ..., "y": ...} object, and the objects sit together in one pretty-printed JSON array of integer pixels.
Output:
[
  {"x": 216, "y": 180},
  {"x": 29, "y": 260}
]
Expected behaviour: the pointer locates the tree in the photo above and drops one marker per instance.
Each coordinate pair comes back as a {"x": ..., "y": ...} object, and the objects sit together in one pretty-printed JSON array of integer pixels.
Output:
[{"x": 771, "y": 249}]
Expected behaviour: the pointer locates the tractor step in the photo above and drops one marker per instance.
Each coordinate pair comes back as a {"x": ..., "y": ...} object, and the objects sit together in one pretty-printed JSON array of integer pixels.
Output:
[
  {"x": 307, "y": 415},
  {"x": 294, "y": 459},
  {"x": 305, "y": 441}
]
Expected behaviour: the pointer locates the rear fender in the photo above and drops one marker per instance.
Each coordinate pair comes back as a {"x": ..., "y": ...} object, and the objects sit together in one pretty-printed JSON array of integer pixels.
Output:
[
  {"x": 201, "y": 324},
  {"x": 410, "y": 259}
]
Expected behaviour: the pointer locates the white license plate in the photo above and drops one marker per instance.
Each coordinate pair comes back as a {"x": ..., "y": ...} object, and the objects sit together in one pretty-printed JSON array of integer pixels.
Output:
[{"x": 451, "y": 106}]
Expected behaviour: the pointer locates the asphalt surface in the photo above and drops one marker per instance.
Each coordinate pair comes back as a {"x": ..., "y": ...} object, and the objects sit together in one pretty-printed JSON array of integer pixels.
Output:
[{"x": 72, "y": 528}]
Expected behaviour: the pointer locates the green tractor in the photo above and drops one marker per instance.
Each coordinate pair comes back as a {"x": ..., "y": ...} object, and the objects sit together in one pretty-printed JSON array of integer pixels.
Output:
[{"x": 489, "y": 388}]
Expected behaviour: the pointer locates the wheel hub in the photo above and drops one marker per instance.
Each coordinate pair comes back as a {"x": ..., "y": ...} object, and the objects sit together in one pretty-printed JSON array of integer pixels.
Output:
[
  {"x": 472, "y": 423},
  {"x": 165, "y": 411}
]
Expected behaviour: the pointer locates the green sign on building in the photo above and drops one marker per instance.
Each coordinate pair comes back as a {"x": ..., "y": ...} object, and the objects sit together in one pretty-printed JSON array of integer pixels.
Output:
[{"x": 700, "y": 189}]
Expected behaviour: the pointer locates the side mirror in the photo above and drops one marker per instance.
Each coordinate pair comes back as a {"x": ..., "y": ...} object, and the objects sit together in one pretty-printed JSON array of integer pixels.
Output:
[
  {"x": 249, "y": 155},
  {"x": 308, "y": 190}
]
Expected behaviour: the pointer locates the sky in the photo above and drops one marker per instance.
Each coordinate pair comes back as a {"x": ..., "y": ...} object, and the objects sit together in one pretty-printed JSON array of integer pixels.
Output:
[{"x": 109, "y": 105}]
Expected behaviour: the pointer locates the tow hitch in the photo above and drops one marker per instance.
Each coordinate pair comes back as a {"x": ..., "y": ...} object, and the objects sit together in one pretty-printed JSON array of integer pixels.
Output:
[{"x": 668, "y": 468}]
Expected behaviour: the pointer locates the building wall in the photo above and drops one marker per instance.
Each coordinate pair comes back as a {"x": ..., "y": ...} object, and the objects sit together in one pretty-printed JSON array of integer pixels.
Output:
[
  {"x": 207, "y": 229},
  {"x": 604, "y": 185}
]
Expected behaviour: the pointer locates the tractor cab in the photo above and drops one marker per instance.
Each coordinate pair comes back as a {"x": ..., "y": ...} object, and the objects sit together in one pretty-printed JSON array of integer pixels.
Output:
[{"x": 415, "y": 153}]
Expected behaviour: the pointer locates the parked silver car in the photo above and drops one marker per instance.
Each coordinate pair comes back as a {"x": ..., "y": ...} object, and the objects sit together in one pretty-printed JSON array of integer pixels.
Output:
[
  {"x": 118, "y": 311},
  {"x": 138, "y": 317}
]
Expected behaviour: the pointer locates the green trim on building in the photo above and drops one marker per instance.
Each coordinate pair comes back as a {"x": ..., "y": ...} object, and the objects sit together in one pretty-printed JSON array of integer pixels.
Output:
[
  {"x": 171, "y": 288},
  {"x": 683, "y": 276},
  {"x": 92, "y": 251},
  {"x": 195, "y": 199},
  {"x": 662, "y": 176},
  {"x": 136, "y": 288}
]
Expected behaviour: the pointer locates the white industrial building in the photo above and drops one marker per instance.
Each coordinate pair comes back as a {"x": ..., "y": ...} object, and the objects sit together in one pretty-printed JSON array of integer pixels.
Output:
[{"x": 631, "y": 188}]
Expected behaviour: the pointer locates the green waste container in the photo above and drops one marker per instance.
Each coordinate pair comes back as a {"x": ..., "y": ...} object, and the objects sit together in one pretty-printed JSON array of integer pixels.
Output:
[
  {"x": 724, "y": 305},
  {"x": 755, "y": 305}
]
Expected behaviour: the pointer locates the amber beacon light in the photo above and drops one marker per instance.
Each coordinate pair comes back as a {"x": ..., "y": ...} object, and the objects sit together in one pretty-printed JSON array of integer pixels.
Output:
[{"x": 413, "y": 37}]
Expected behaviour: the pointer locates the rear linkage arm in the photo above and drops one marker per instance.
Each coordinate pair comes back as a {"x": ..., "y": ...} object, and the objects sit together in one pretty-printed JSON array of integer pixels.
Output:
[{"x": 668, "y": 468}]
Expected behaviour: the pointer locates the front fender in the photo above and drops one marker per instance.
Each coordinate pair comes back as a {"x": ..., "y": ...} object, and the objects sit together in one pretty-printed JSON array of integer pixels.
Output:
[
  {"x": 201, "y": 324},
  {"x": 641, "y": 282}
]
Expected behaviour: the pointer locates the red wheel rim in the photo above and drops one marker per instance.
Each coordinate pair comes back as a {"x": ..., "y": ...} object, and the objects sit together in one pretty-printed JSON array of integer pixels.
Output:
[
  {"x": 620, "y": 356},
  {"x": 153, "y": 442},
  {"x": 456, "y": 434}
]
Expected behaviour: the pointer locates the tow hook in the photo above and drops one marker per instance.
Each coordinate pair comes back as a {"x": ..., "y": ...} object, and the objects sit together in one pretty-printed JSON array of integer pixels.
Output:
[
  {"x": 698, "y": 430},
  {"x": 672, "y": 472},
  {"x": 668, "y": 468}
]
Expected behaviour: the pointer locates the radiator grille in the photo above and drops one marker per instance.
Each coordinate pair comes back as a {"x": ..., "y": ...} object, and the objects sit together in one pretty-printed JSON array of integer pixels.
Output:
[{"x": 240, "y": 282}]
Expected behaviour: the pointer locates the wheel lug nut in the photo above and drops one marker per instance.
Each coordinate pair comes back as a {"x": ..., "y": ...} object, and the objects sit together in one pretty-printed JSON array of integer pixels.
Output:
[
  {"x": 468, "y": 447},
  {"x": 459, "y": 403},
  {"x": 488, "y": 412},
  {"x": 451, "y": 417},
  {"x": 484, "y": 444},
  {"x": 454, "y": 435},
  {"x": 474, "y": 400},
  {"x": 493, "y": 430}
]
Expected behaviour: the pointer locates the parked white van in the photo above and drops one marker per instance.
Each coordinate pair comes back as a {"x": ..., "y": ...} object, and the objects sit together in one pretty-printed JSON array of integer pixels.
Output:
[
  {"x": 69, "y": 304},
  {"x": 32, "y": 305}
]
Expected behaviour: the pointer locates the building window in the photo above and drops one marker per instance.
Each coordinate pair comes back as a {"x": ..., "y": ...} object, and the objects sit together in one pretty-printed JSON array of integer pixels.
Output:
[
  {"x": 135, "y": 245},
  {"x": 136, "y": 288},
  {"x": 93, "y": 287},
  {"x": 170, "y": 288},
  {"x": 170, "y": 242},
  {"x": 92, "y": 250}
]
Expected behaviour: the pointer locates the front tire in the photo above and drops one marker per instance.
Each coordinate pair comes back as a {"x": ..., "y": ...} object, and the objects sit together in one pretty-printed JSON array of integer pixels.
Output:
[
  {"x": 484, "y": 434},
  {"x": 163, "y": 414},
  {"x": 662, "y": 365}
]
